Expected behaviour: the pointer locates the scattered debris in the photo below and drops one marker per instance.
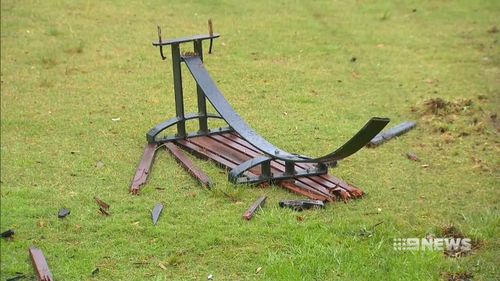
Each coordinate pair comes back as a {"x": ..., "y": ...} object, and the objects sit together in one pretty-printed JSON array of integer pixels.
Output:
[
  {"x": 115, "y": 119},
  {"x": 451, "y": 231},
  {"x": 493, "y": 29},
  {"x": 142, "y": 173},
  {"x": 63, "y": 213},
  {"x": 391, "y": 133},
  {"x": 189, "y": 165},
  {"x": 101, "y": 203},
  {"x": 440, "y": 107},
  {"x": 40, "y": 264},
  {"x": 99, "y": 165},
  {"x": 254, "y": 208},
  {"x": 18, "y": 276},
  {"x": 210, "y": 277},
  {"x": 412, "y": 156},
  {"x": 300, "y": 205},
  {"x": 8, "y": 234},
  {"x": 156, "y": 213},
  {"x": 95, "y": 271},
  {"x": 495, "y": 122},
  {"x": 258, "y": 269},
  {"x": 103, "y": 206},
  {"x": 364, "y": 232},
  {"x": 460, "y": 276},
  {"x": 162, "y": 266}
]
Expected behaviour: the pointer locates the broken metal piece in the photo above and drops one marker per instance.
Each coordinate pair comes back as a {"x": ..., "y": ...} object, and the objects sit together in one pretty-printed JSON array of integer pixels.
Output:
[
  {"x": 189, "y": 165},
  {"x": 142, "y": 173},
  {"x": 156, "y": 212},
  {"x": 8, "y": 234},
  {"x": 40, "y": 264},
  {"x": 391, "y": 133},
  {"x": 63, "y": 213},
  {"x": 254, "y": 208},
  {"x": 300, "y": 205}
]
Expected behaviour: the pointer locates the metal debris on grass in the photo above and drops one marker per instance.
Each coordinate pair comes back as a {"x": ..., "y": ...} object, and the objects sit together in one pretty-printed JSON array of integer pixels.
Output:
[
  {"x": 155, "y": 214},
  {"x": 300, "y": 205},
  {"x": 63, "y": 213}
]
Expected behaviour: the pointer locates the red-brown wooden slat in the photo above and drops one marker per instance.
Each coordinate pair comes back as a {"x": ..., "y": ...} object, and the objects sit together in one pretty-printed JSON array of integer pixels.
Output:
[
  {"x": 303, "y": 190},
  {"x": 218, "y": 154},
  {"x": 276, "y": 166},
  {"x": 40, "y": 264},
  {"x": 189, "y": 165},
  {"x": 224, "y": 151},
  {"x": 229, "y": 150},
  {"x": 144, "y": 169},
  {"x": 328, "y": 181},
  {"x": 208, "y": 154}
]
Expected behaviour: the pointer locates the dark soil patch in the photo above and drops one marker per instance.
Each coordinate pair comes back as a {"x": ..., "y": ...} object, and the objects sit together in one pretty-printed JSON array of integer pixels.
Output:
[
  {"x": 456, "y": 118},
  {"x": 440, "y": 107},
  {"x": 460, "y": 276},
  {"x": 451, "y": 231}
]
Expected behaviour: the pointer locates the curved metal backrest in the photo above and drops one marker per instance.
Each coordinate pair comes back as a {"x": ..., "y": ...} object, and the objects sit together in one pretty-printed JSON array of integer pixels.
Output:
[{"x": 214, "y": 95}]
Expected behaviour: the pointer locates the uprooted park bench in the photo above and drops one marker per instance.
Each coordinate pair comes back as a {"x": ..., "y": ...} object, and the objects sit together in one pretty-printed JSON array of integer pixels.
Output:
[{"x": 238, "y": 148}]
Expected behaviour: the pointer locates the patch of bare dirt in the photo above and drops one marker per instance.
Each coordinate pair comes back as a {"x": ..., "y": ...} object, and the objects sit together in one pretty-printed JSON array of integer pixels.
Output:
[
  {"x": 459, "y": 276},
  {"x": 456, "y": 118},
  {"x": 451, "y": 231}
]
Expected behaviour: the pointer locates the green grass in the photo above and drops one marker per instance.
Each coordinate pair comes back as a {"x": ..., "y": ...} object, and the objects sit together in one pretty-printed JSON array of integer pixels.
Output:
[{"x": 69, "y": 67}]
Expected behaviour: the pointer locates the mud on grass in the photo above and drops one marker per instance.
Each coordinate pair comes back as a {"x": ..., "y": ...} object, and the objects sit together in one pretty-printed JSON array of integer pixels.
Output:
[
  {"x": 451, "y": 231},
  {"x": 459, "y": 117}
]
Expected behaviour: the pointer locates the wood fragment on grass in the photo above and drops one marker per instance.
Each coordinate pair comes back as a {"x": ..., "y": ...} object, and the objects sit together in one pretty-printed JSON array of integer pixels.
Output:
[
  {"x": 144, "y": 169},
  {"x": 254, "y": 208},
  {"x": 40, "y": 264},
  {"x": 189, "y": 165}
]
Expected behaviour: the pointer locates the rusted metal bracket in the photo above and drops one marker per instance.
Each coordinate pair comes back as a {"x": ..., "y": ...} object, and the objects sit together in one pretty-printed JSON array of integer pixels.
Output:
[
  {"x": 142, "y": 173},
  {"x": 40, "y": 264},
  {"x": 189, "y": 165},
  {"x": 254, "y": 208}
]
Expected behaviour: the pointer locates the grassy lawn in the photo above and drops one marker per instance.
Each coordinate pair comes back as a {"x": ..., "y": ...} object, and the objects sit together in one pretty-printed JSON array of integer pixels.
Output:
[{"x": 306, "y": 76}]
